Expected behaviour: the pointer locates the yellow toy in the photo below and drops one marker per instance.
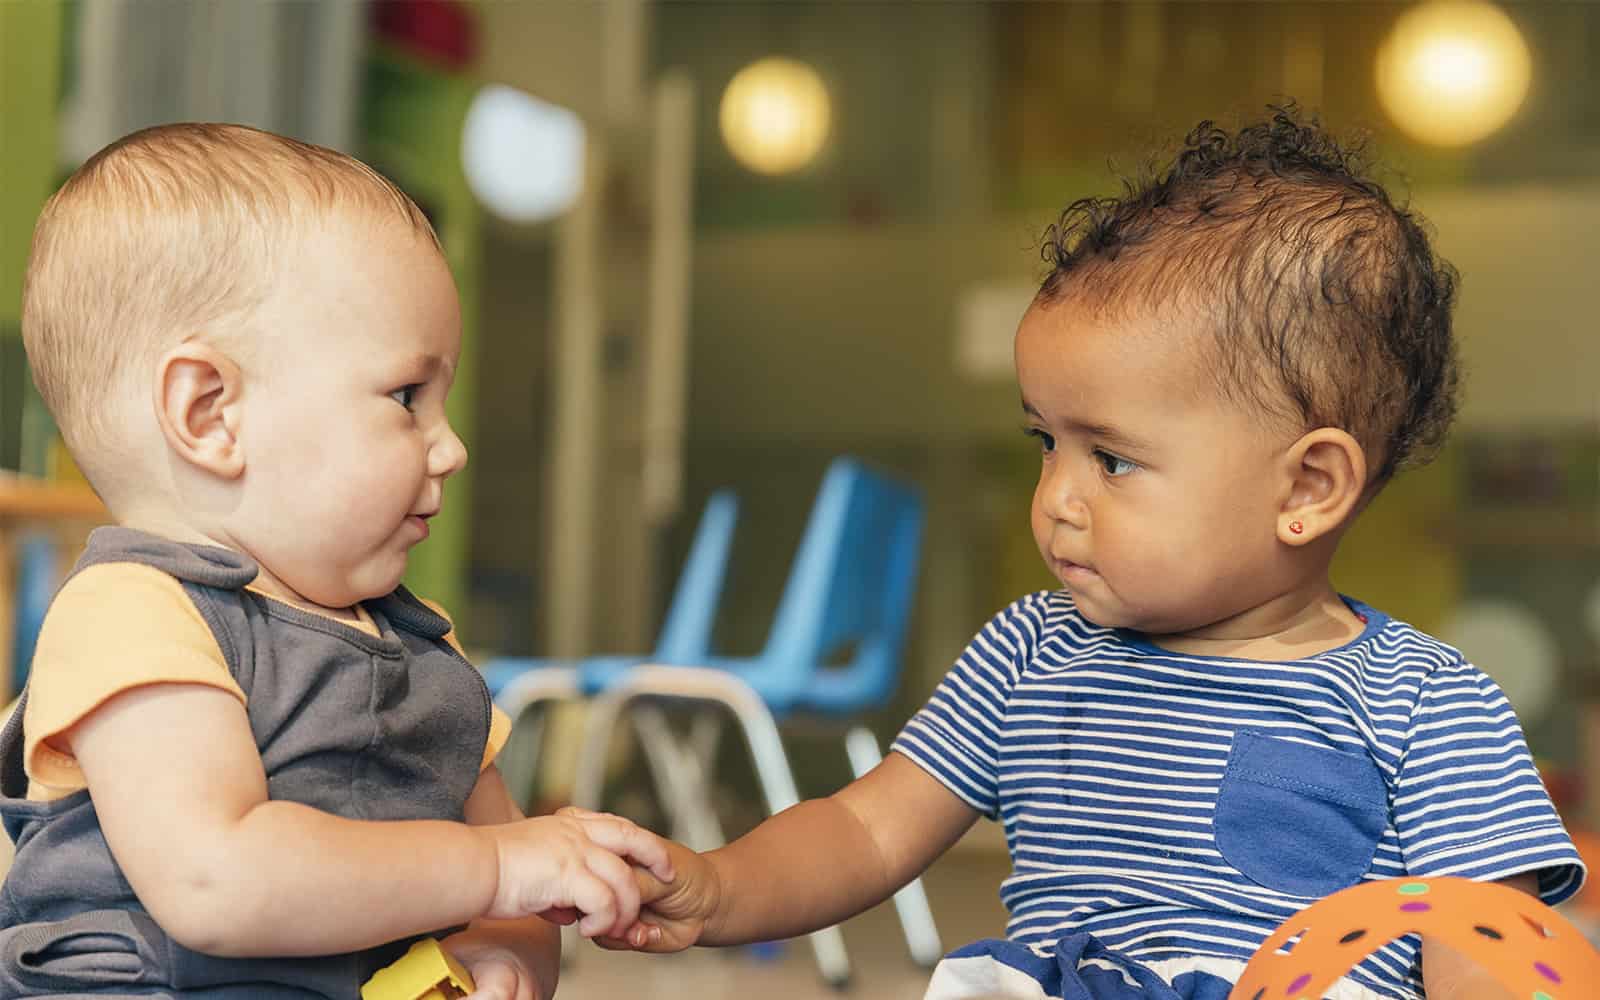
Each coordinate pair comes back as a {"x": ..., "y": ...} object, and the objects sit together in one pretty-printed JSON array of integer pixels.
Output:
[
  {"x": 1526, "y": 945},
  {"x": 424, "y": 972}
]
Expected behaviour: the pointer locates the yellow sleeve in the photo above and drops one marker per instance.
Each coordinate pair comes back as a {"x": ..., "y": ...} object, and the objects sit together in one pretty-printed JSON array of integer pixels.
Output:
[
  {"x": 113, "y": 627},
  {"x": 499, "y": 722},
  {"x": 499, "y": 732}
]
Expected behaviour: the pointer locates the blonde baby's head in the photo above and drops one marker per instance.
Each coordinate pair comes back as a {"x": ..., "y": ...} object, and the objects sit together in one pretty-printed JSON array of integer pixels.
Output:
[
  {"x": 1224, "y": 365},
  {"x": 248, "y": 341},
  {"x": 173, "y": 233}
]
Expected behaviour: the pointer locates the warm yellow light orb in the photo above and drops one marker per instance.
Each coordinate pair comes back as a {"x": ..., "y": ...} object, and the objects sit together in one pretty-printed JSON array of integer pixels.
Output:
[
  {"x": 1453, "y": 72},
  {"x": 774, "y": 115}
]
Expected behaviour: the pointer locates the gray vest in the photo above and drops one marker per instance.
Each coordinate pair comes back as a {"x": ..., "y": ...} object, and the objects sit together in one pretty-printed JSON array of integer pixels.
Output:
[{"x": 387, "y": 727}]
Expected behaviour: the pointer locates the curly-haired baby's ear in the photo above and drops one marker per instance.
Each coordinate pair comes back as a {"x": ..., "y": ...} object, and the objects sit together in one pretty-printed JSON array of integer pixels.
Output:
[{"x": 1324, "y": 485}]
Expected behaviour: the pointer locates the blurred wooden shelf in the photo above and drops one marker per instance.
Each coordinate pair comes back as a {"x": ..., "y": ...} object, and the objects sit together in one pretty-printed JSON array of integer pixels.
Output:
[
  {"x": 31, "y": 499},
  {"x": 67, "y": 510}
]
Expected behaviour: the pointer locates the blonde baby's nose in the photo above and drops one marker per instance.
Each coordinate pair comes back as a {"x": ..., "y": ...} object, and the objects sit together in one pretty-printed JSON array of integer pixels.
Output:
[{"x": 449, "y": 455}]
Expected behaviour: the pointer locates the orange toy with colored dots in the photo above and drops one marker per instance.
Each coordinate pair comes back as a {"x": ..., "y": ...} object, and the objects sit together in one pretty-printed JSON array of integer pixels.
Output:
[{"x": 1523, "y": 943}]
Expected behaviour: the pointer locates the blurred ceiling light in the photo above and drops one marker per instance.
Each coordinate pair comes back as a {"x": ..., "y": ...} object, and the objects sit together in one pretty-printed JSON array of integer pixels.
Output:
[
  {"x": 1453, "y": 71},
  {"x": 523, "y": 157},
  {"x": 774, "y": 115}
]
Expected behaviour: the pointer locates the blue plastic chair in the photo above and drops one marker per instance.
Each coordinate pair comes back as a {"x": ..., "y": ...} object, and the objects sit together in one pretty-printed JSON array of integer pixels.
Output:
[
  {"x": 522, "y": 685},
  {"x": 849, "y": 591}
]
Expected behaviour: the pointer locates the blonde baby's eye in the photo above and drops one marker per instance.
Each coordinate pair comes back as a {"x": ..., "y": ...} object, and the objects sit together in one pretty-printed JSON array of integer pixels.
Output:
[
  {"x": 1047, "y": 442},
  {"x": 1114, "y": 465},
  {"x": 405, "y": 395}
]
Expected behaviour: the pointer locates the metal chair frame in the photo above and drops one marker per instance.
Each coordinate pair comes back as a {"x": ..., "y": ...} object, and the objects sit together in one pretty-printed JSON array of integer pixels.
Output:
[{"x": 852, "y": 584}]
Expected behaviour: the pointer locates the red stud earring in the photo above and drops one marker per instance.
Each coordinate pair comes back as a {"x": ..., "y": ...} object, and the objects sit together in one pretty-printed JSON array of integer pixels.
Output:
[{"x": 1296, "y": 528}]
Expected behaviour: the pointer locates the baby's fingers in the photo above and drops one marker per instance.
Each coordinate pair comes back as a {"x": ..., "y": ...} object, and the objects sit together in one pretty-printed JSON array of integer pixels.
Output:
[
  {"x": 494, "y": 981},
  {"x": 638, "y": 938},
  {"x": 619, "y": 836},
  {"x": 618, "y": 877},
  {"x": 650, "y": 888},
  {"x": 595, "y": 902}
]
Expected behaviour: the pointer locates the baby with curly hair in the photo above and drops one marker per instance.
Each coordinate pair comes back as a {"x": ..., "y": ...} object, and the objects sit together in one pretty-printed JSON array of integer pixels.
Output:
[{"x": 1196, "y": 736}]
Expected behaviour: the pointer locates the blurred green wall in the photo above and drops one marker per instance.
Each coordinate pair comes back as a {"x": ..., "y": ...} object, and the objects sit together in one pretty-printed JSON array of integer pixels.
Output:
[
  {"x": 30, "y": 67},
  {"x": 31, "y": 39},
  {"x": 411, "y": 132}
]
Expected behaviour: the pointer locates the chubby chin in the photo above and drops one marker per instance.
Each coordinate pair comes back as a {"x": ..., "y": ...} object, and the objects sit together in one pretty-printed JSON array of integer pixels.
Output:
[
  {"x": 380, "y": 581},
  {"x": 1095, "y": 605},
  {"x": 1090, "y": 610},
  {"x": 368, "y": 581}
]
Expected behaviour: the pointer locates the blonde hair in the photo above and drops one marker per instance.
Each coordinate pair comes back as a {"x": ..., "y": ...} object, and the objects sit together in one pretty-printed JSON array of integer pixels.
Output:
[{"x": 157, "y": 237}]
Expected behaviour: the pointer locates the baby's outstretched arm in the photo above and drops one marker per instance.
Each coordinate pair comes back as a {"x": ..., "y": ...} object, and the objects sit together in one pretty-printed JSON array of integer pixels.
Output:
[
  {"x": 808, "y": 867},
  {"x": 181, "y": 795}
]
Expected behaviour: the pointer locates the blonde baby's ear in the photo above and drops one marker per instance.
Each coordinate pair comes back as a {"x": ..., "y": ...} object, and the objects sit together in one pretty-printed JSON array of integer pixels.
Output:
[
  {"x": 198, "y": 403},
  {"x": 1325, "y": 480}
]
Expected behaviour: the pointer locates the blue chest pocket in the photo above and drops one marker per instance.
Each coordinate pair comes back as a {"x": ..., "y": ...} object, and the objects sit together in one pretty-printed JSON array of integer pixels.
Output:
[{"x": 1299, "y": 819}]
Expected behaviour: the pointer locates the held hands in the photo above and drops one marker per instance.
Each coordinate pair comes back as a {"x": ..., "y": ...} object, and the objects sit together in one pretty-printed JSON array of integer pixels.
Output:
[
  {"x": 574, "y": 866},
  {"x": 673, "y": 915}
]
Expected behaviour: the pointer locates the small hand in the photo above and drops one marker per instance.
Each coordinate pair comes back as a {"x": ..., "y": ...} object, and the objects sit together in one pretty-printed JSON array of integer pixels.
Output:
[
  {"x": 672, "y": 916},
  {"x": 497, "y": 972},
  {"x": 574, "y": 865},
  {"x": 514, "y": 960}
]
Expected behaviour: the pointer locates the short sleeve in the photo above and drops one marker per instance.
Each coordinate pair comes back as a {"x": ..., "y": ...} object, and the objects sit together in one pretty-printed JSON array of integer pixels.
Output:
[
  {"x": 499, "y": 732},
  {"x": 1468, "y": 799},
  {"x": 956, "y": 735},
  {"x": 113, "y": 627},
  {"x": 499, "y": 722}
]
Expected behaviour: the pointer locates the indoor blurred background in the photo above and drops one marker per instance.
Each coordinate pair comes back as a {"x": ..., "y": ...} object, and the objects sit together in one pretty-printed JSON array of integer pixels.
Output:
[{"x": 715, "y": 245}]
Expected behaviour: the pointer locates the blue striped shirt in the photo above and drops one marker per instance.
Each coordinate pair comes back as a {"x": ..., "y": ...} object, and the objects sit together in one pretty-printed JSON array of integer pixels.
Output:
[{"x": 1176, "y": 805}]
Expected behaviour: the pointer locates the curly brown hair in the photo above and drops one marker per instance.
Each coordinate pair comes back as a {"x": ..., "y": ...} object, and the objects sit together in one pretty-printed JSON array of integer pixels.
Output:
[{"x": 1325, "y": 302}]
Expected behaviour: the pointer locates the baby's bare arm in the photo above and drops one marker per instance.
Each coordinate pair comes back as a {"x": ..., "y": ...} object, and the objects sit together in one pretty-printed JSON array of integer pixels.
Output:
[
  {"x": 182, "y": 797},
  {"x": 810, "y": 866}
]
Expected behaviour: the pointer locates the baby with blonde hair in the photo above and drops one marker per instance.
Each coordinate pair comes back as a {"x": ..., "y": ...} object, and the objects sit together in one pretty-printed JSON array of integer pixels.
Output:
[
  {"x": 249, "y": 762},
  {"x": 177, "y": 250}
]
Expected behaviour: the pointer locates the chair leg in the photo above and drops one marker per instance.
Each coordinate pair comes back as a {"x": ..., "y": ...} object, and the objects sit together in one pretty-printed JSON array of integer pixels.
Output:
[
  {"x": 777, "y": 784},
  {"x": 600, "y": 719},
  {"x": 705, "y": 733},
  {"x": 766, "y": 751},
  {"x": 911, "y": 902},
  {"x": 588, "y": 783},
  {"x": 526, "y": 700},
  {"x": 519, "y": 758},
  {"x": 700, "y": 759},
  {"x": 680, "y": 780}
]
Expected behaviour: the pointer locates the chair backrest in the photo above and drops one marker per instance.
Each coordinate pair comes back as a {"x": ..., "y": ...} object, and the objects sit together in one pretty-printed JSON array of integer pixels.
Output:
[
  {"x": 685, "y": 635},
  {"x": 852, "y": 583}
]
